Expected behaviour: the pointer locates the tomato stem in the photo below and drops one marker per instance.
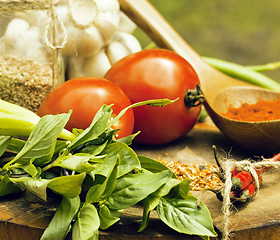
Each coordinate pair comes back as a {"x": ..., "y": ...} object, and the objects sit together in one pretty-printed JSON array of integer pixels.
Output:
[{"x": 194, "y": 97}]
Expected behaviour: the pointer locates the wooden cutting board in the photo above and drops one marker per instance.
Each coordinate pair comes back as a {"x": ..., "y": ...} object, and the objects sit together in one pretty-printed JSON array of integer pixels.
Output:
[{"x": 25, "y": 217}]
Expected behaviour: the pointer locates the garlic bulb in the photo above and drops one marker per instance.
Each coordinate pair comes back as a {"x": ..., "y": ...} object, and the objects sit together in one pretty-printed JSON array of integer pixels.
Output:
[{"x": 97, "y": 65}]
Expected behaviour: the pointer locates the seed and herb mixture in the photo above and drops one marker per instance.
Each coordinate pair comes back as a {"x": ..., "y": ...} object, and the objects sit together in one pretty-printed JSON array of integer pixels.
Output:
[
  {"x": 201, "y": 176},
  {"x": 24, "y": 82}
]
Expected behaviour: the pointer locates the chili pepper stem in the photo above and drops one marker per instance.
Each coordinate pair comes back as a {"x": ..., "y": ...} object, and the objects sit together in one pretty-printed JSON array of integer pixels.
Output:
[
  {"x": 221, "y": 170},
  {"x": 198, "y": 202}
]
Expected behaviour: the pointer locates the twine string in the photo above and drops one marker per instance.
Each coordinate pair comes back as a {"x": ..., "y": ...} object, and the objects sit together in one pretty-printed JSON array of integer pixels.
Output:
[
  {"x": 229, "y": 165},
  {"x": 55, "y": 31},
  {"x": 56, "y": 39}
]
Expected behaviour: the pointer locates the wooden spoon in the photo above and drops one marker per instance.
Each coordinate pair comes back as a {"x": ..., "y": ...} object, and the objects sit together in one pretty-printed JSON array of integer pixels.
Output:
[{"x": 219, "y": 89}]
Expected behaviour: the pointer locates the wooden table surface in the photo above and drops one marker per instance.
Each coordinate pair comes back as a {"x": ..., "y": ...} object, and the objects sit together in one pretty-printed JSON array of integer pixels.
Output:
[{"x": 25, "y": 217}]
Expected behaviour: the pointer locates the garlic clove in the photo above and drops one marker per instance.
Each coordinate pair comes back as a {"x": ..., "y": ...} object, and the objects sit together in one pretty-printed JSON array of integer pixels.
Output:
[
  {"x": 122, "y": 45},
  {"x": 97, "y": 65},
  {"x": 37, "y": 18},
  {"x": 75, "y": 67},
  {"x": 83, "y": 12},
  {"x": 107, "y": 30},
  {"x": 125, "y": 24},
  {"x": 107, "y": 5},
  {"x": 83, "y": 42},
  {"x": 16, "y": 27},
  {"x": 112, "y": 17},
  {"x": 129, "y": 41},
  {"x": 116, "y": 51}
]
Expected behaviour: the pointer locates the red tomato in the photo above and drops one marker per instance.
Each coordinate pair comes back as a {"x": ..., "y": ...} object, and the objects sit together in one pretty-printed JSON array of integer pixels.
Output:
[
  {"x": 155, "y": 74},
  {"x": 85, "y": 96}
]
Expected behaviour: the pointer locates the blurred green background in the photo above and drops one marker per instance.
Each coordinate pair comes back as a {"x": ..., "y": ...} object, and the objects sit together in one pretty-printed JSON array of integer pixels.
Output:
[{"x": 241, "y": 31}]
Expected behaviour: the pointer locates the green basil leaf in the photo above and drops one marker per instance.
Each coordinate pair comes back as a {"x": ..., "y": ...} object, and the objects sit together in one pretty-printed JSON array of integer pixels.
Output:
[
  {"x": 132, "y": 188},
  {"x": 95, "y": 235},
  {"x": 103, "y": 185},
  {"x": 149, "y": 203},
  {"x": 68, "y": 186},
  {"x": 153, "y": 199},
  {"x": 59, "y": 147},
  {"x": 42, "y": 140},
  {"x": 86, "y": 224},
  {"x": 15, "y": 145},
  {"x": 105, "y": 167},
  {"x": 184, "y": 216},
  {"x": 4, "y": 142},
  {"x": 29, "y": 168},
  {"x": 94, "y": 149},
  {"x": 35, "y": 186},
  {"x": 7, "y": 187},
  {"x": 107, "y": 217},
  {"x": 128, "y": 139},
  {"x": 184, "y": 188},
  {"x": 179, "y": 189},
  {"x": 167, "y": 187},
  {"x": 128, "y": 159},
  {"x": 61, "y": 222},
  {"x": 77, "y": 162},
  {"x": 110, "y": 182},
  {"x": 152, "y": 165},
  {"x": 97, "y": 127},
  {"x": 94, "y": 193}
]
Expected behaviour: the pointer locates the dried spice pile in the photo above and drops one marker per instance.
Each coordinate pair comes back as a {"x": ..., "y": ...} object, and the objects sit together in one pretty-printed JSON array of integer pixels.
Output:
[
  {"x": 260, "y": 111},
  {"x": 201, "y": 176}
]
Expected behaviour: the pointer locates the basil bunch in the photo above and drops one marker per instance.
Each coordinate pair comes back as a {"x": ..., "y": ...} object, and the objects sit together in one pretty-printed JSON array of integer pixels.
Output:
[{"x": 97, "y": 177}]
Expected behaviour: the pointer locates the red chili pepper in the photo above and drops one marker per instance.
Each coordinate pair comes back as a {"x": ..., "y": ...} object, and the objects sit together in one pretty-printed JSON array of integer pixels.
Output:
[
  {"x": 242, "y": 179},
  {"x": 247, "y": 193}
]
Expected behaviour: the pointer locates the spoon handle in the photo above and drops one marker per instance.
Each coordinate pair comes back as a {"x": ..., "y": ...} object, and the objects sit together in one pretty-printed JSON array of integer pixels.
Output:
[{"x": 158, "y": 29}]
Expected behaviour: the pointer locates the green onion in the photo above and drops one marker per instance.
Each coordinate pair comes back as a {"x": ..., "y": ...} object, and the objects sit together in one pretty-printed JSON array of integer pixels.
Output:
[
  {"x": 265, "y": 67},
  {"x": 243, "y": 73}
]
